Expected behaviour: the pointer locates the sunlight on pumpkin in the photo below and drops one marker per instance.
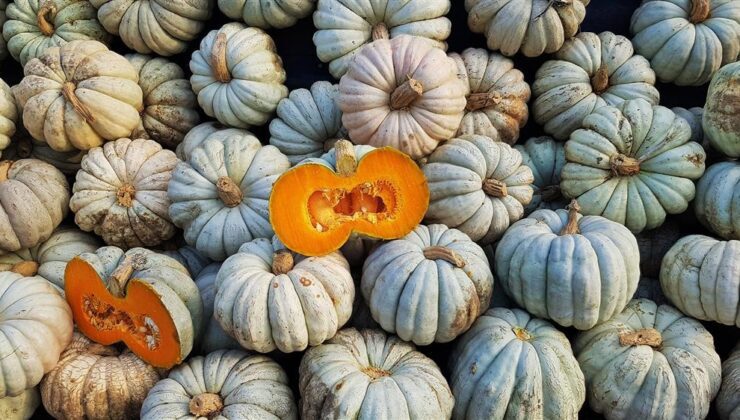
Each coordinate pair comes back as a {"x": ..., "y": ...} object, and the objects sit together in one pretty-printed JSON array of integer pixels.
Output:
[{"x": 372, "y": 202}]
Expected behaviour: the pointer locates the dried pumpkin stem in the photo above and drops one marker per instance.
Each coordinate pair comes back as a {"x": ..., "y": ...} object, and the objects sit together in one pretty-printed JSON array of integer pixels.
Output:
[
  {"x": 125, "y": 195},
  {"x": 229, "y": 192},
  {"x": 5, "y": 169},
  {"x": 120, "y": 277},
  {"x": 206, "y": 405},
  {"x": 550, "y": 193},
  {"x": 644, "y": 337},
  {"x": 699, "y": 11},
  {"x": 380, "y": 31},
  {"x": 44, "y": 16},
  {"x": 346, "y": 159},
  {"x": 374, "y": 372},
  {"x": 406, "y": 94},
  {"x": 443, "y": 253},
  {"x": 482, "y": 100},
  {"x": 600, "y": 80},
  {"x": 522, "y": 333},
  {"x": 571, "y": 227},
  {"x": 495, "y": 188},
  {"x": 218, "y": 59},
  {"x": 68, "y": 91},
  {"x": 25, "y": 268},
  {"x": 282, "y": 262},
  {"x": 624, "y": 165}
]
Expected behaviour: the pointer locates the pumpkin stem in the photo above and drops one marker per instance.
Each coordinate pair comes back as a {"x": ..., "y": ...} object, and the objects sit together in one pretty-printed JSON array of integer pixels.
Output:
[
  {"x": 406, "y": 94},
  {"x": 624, "y": 165},
  {"x": 346, "y": 159},
  {"x": 125, "y": 195},
  {"x": 571, "y": 228},
  {"x": 4, "y": 169},
  {"x": 374, "y": 372},
  {"x": 481, "y": 100},
  {"x": 120, "y": 277},
  {"x": 443, "y": 253},
  {"x": 44, "y": 16},
  {"x": 206, "y": 405},
  {"x": 282, "y": 262},
  {"x": 229, "y": 192},
  {"x": 380, "y": 31},
  {"x": 550, "y": 193},
  {"x": 25, "y": 268},
  {"x": 600, "y": 80},
  {"x": 218, "y": 59},
  {"x": 522, "y": 333},
  {"x": 644, "y": 337},
  {"x": 495, "y": 188},
  {"x": 68, "y": 91},
  {"x": 699, "y": 11}
]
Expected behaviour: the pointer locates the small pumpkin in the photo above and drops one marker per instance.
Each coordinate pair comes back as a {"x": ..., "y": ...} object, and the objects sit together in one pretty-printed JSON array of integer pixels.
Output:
[
  {"x": 238, "y": 76},
  {"x": 21, "y": 407},
  {"x": 717, "y": 193},
  {"x": 267, "y": 14},
  {"x": 428, "y": 286},
  {"x": 720, "y": 122},
  {"x": 190, "y": 258},
  {"x": 546, "y": 158},
  {"x": 693, "y": 116},
  {"x": 403, "y": 93},
  {"x": 3, "y": 18},
  {"x": 214, "y": 337},
  {"x": 24, "y": 146},
  {"x": 589, "y": 72},
  {"x": 144, "y": 299},
  {"x": 225, "y": 385},
  {"x": 654, "y": 244},
  {"x": 8, "y": 115},
  {"x": 367, "y": 374},
  {"x": 728, "y": 399},
  {"x": 477, "y": 186},
  {"x": 672, "y": 355}
]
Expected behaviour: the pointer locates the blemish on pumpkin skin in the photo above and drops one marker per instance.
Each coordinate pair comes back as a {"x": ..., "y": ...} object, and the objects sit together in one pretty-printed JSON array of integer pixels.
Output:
[
  {"x": 275, "y": 285},
  {"x": 697, "y": 159},
  {"x": 305, "y": 282}
]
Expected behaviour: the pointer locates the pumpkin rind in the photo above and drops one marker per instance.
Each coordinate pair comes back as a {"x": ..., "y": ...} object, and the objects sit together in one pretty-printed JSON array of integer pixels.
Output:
[
  {"x": 267, "y": 14},
  {"x": 546, "y": 158},
  {"x": 728, "y": 399},
  {"x": 654, "y": 244},
  {"x": 8, "y": 115},
  {"x": 720, "y": 120},
  {"x": 21, "y": 407},
  {"x": 717, "y": 195},
  {"x": 214, "y": 337}
]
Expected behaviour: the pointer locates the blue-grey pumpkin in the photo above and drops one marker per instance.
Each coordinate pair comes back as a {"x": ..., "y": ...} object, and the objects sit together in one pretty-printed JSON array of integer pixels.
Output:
[
  {"x": 546, "y": 158},
  {"x": 717, "y": 204},
  {"x": 728, "y": 399}
]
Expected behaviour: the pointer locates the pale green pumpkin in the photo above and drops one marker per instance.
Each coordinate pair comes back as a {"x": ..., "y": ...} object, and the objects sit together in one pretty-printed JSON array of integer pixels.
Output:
[
  {"x": 720, "y": 122},
  {"x": 728, "y": 399},
  {"x": 546, "y": 158},
  {"x": 717, "y": 204},
  {"x": 267, "y": 14}
]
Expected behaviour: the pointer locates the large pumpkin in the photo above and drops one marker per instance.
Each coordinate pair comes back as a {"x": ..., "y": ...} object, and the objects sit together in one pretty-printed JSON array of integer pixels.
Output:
[
  {"x": 8, "y": 115},
  {"x": 717, "y": 195},
  {"x": 633, "y": 164},
  {"x": 267, "y": 14},
  {"x": 403, "y": 93},
  {"x": 590, "y": 71},
  {"x": 728, "y": 399},
  {"x": 720, "y": 122},
  {"x": 654, "y": 244},
  {"x": 366, "y": 374},
  {"x": 546, "y": 158},
  {"x": 214, "y": 337},
  {"x": 428, "y": 286},
  {"x": 21, "y": 407},
  {"x": 478, "y": 186},
  {"x": 649, "y": 361}
]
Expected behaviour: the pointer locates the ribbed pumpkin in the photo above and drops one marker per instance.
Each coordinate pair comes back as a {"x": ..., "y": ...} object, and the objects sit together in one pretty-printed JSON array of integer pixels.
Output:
[
  {"x": 21, "y": 407},
  {"x": 344, "y": 27},
  {"x": 720, "y": 122},
  {"x": 526, "y": 26},
  {"x": 478, "y": 186},
  {"x": 654, "y": 244},
  {"x": 224, "y": 385},
  {"x": 687, "y": 41},
  {"x": 577, "y": 271},
  {"x": 717, "y": 197},
  {"x": 8, "y": 115},
  {"x": 269, "y": 298},
  {"x": 367, "y": 374},
  {"x": 546, "y": 158},
  {"x": 403, "y": 93},
  {"x": 267, "y": 14},
  {"x": 24, "y": 146},
  {"x": 510, "y": 365},
  {"x": 693, "y": 116},
  {"x": 3, "y": 18},
  {"x": 649, "y": 361},
  {"x": 728, "y": 399},
  {"x": 214, "y": 337},
  {"x": 428, "y": 286},
  {"x": 238, "y": 76},
  {"x": 590, "y": 71},
  {"x": 632, "y": 164},
  {"x": 190, "y": 258},
  {"x": 202, "y": 132}
]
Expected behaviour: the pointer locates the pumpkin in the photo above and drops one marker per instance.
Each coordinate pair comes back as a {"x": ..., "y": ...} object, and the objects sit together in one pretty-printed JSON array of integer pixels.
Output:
[
  {"x": 308, "y": 122},
  {"x": 367, "y": 374},
  {"x": 24, "y": 146},
  {"x": 633, "y": 164},
  {"x": 728, "y": 399},
  {"x": 268, "y": 298},
  {"x": 33, "y": 26},
  {"x": 205, "y": 131},
  {"x": 92, "y": 381},
  {"x": 403, "y": 93},
  {"x": 693, "y": 116},
  {"x": 687, "y": 41},
  {"x": 526, "y": 26},
  {"x": 225, "y": 385},
  {"x": 144, "y": 299},
  {"x": 190, "y": 258},
  {"x": 701, "y": 276},
  {"x": 79, "y": 95},
  {"x": 720, "y": 122},
  {"x": 477, "y": 186},
  {"x": 3, "y": 18},
  {"x": 717, "y": 195},
  {"x": 238, "y": 76},
  {"x": 267, "y": 14},
  {"x": 577, "y": 271},
  {"x": 220, "y": 193},
  {"x": 589, "y": 72},
  {"x": 8, "y": 115},
  {"x": 546, "y": 158},
  {"x": 214, "y": 337},
  {"x": 649, "y": 361},
  {"x": 654, "y": 244},
  {"x": 159, "y": 26},
  {"x": 21, "y": 407},
  {"x": 428, "y": 286},
  {"x": 170, "y": 109},
  {"x": 497, "y": 95},
  {"x": 316, "y": 206},
  {"x": 344, "y": 27}
]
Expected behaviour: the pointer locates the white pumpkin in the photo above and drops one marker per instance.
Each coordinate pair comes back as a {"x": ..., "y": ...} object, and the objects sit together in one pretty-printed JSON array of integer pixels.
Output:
[
  {"x": 8, "y": 115},
  {"x": 728, "y": 399},
  {"x": 717, "y": 197},
  {"x": 214, "y": 337},
  {"x": 267, "y": 14},
  {"x": 546, "y": 158},
  {"x": 21, "y": 407}
]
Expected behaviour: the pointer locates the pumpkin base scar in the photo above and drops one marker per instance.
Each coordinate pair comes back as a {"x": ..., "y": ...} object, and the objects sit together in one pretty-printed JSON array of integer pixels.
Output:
[{"x": 105, "y": 317}]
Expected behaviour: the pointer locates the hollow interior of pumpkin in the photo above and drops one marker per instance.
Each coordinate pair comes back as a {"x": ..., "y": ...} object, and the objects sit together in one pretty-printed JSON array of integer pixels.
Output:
[{"x": 370, "y": 201}]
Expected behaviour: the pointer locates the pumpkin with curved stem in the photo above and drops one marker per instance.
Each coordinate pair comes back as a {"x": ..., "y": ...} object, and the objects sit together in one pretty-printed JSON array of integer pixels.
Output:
[
  {"x": 654, "y": 244},
  {"x": 546, "y": 158},
  {"x": 190, "y": 258},
  {"x": 214, "y": 337},
  {"x": 717, "y": 195},
  {"x": 21, "y": 407},
  {"x": 693, "y": 116},
  {"x": 267, "y": 14},
  {"x": 720, "y": 122},
  {"x": 8, "y": 115},
  {"x": 728, "y": 399}
]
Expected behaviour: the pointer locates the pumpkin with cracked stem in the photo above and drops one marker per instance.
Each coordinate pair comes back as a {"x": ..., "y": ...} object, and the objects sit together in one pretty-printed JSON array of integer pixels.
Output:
[
  {"x": 268, "y": 298},
  {"x": 8, "y": 115},
  {"x": 403, "y": 93},
  {"x": 79, "y": 95},
  {"x": 24, "y": 146},
  {"x": 633, "y": 164},
  {"x": 687, "y": 41},
  {"x": 368, "y": 374},
  {"x": 3, "y": 18},
  {"x": 477, "y": 186},
  {"x": 144, "y": 299},
  {"x": 717, "y": 193},
  {"x": 266, "y": 14},
  {"x": 720, "y": 121},
  {"x": 693, "y": 116},
  {"x": 429, "y": 286},
  {"x": 33, "y": 26},
  {"x": 577, "y": 271},
  {"x": 225, "y": 384},
  {"x": 546, "y": 158},
  {"x": 190, "y": 258},
  {"x": 21, "y": 407},
  {"x": 238, "y": 63},
  {"x": 589, "y": 72},
  {"x": 701, "y": 276},
  {"x": 654, "y": 244},
  {"x": 728, "y": 399},
  {"x": 92, "y": 381},
  {"x": 649, "y": 361},
  {"x": 214, "y": 337}
]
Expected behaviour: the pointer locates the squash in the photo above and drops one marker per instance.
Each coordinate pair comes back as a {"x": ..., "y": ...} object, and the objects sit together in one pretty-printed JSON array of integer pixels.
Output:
[
  {"x": 144, "y": 299},
  {"x": 589, "y": 72},
  {"x": 238, "y": 76},
  {"x": 21, "y": 407},
  {"x": 720, "y": 120},
  {"x": 316, "y": 206},
  {"x": 477, "y": 186},
  {"x": 546, "y": 158},
  {"x": 577, "y": 271},
  {"x": 24, "y": 146},
  {"x": 190, "y": 258},
  {"x": 701, "y": 276},
  {"x": 693, "y": 116},
  {"x": 92, "y": 381},
  {"x": 203, "y": 132},
  {"x": 220, "y": 193},
  {"x": 510, "y": 365},
  {"x": 8, "y": 115},
  {"x": 308, "y": 122},
  {"x": 654, "y": 244},
  {"x": 717, "y": 195},
  {"x": 269, "y": 298},
  {"x": 496, "y": 96},
  {"x": 267, "y": 14},
  {"x": 225, "y": 385},
  {"x": 428, "y": 286},
  {"x": 214, "y": 337},
  {"x": 159, "y": 26},
  {"x": 687, "y": 41},
  {"x": 367, "y": 374},
  {"x": 728, "y": 399},
  {"x": 170, "y": 109},
  {"x": 3, "y": 18},
  {"x": 633, "y": 164},
  {"x": 79, "y": 95},
  {"x": 526, "y": 26},
  {"x": 403, "y": 93},
  {"x": 344, "y": 27},
  {"x": 649, "y": 361},
  {"x": 33, "y": 26}
]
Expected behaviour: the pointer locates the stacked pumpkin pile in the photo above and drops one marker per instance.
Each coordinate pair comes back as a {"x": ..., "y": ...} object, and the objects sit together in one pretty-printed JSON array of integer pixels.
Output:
[{"x": 376, "y": 218}]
